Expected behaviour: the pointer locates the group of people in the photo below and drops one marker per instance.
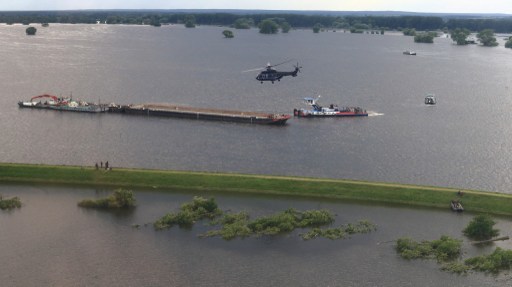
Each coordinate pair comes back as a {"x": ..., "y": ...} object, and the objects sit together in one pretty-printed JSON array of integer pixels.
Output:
[{"x": 101, "y": 166}]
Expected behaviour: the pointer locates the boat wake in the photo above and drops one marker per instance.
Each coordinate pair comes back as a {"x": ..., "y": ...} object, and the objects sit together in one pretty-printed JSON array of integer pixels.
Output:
[{"x": 374, "y": 114}]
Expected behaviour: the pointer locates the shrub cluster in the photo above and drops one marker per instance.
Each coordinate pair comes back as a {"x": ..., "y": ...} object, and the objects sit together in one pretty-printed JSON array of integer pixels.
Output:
[
  {"x": 481, "y": 228},
  {"x": 444, "y": 249},
  {"x": 121, "y": 198},
  {"x": 190, "y": 212},
  {"x": 10, "y": 203},
  {"x": 363, "y": 226},
  {"x": 239, "y": 225}
]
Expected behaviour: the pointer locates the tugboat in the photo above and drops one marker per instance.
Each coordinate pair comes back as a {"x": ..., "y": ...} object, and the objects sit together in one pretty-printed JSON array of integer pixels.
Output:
[
  {"x": 62, "y": 104},
  {"x": 331, "y": 111},
  {"x": 430, "y": 100}
]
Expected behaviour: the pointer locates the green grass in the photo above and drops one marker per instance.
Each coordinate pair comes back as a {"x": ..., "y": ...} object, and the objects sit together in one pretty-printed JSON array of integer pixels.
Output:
[{"x": 411, "y": 195}]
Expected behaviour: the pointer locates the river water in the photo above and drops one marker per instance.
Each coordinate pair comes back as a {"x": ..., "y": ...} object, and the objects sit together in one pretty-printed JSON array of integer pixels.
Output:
[
  {"x": 464, "y": 141},
  {"x": 51, "y": 241}
]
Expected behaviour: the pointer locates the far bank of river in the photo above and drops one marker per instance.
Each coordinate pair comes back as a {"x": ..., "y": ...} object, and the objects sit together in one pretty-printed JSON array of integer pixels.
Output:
[{"x": 386, "y": 193}]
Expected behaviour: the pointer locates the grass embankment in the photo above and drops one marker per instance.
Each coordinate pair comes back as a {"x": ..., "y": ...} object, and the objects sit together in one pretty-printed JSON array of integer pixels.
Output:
[{"x": 474, "y": 201}]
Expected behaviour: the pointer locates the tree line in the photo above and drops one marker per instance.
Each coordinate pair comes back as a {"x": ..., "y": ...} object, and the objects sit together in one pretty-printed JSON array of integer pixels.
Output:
[{"x": 158, "y": 17}]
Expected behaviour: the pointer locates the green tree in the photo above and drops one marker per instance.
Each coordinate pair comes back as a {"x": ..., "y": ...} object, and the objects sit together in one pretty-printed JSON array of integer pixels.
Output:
[
  {"x": 355, "y": 31},
  {"x": 481, "y": 228},
  {"x": 243, "y": 23},
  {"x": 486, "y": 37},
  {"x": 228, "y": 34},
  {"x": 268, "y": 26},
  {"x": 340, "y": 24},
  {"x": 361, "y": 26},
  {"x": 409, "y": 32},
  {"x": 508, "y": 44},
  {"x": 190, "y": 21},
  {"x": 460, "y": 35},
  {"x": 155, "y": 22},
  {"x": 424, "y": 38},
  {"x": 31, "y": 30},
  {"x": 317, "y": 27},
  {"x": 285, "y": 27}
]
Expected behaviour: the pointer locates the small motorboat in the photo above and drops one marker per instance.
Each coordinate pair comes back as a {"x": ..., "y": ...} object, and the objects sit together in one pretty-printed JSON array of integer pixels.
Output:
[
  {"x": 410, "y": 53},
  {"x": 430, "y": 100},
  {"x": 456, "y": 205}
]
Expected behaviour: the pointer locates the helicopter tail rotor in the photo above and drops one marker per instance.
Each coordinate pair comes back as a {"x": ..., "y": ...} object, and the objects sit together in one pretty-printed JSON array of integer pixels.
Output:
[{"x": 297, "y": 67}]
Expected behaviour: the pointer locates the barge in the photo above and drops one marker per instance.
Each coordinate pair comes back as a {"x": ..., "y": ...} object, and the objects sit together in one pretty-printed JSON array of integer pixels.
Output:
[
  {"x": 331, "y": 111},
  {"x": 62, "y": 104},
  {"x": 169, "y": 110}
]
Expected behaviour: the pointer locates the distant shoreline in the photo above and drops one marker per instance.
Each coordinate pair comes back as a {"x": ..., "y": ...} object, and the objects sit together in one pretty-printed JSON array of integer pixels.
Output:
[{"x": 373, "y": 192}]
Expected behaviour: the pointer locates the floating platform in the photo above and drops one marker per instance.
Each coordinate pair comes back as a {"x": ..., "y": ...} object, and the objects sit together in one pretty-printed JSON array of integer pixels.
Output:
[{"x": 169, "y": 110}]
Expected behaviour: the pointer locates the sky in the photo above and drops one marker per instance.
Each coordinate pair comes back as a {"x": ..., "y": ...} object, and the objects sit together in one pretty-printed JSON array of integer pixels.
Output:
[{"x": 434, "y": 6}]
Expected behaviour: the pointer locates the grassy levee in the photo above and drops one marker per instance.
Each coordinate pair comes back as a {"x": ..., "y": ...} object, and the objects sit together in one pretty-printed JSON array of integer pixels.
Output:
[{"x": 473, "y": 201}]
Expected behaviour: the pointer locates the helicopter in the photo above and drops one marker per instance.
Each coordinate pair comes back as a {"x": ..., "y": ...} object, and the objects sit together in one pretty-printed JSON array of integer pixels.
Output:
[{"x": 268, "y": 73}]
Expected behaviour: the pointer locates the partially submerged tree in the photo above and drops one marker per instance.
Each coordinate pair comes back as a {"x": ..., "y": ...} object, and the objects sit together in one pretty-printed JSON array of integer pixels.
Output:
[
  {"x": 121, "y": 198},
  {"x": 481, "y": 228},
  {"x": 268, "y": 26},
  {"x": 285, "y": 27},
  {"x": 508, "y": 44},
  {"x": 31, "y": 31},
  {"x": 426, "y": 37},
  {"x": 486, "y": 37},
  {"x": 409, "y": 32},
  {"x": 190, "y": 21},
  {"x": 317, "y": 28},
  {"x": 243, "y": 23},
  {"x": 228, "y": 34},
  {"x": 460, "y": 35}
]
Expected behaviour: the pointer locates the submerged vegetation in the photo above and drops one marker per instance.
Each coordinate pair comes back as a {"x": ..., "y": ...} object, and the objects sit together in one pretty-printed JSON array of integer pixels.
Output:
[
  {"x": 239, "y": 225},
  {"x": 499, "y": 260},
  {"x": 460, "y": 36},
  {"x": 10, "y": 203},
  {"x": 190, "y": 212},
  {"x": 425, "y": 37},
  {"x": 228, "y": 34},
  {"x": 487, "y": 38},
  {"x": 448, "y": 250},
  {"x": 31, "y": 31},
  {"x": 481, "y": 228},
  {"x": 268, "y": 26},
  {"x": 363, "y": 226},
  {"x": 444, "y": 249},
  {"x": 121, "y": 198}
]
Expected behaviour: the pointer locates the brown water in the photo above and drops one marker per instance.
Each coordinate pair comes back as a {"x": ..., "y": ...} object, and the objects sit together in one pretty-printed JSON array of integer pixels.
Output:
[
  {"x": 51, "y": 241},
  {"x": 464, "y": 141}
]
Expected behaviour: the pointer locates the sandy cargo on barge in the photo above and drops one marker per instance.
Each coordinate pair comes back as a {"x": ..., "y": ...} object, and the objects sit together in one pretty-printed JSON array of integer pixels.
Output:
[{"x": 169, "y": 110}]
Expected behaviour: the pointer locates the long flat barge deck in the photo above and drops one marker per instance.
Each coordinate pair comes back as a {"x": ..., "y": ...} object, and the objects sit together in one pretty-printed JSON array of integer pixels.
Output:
[{"x": 169, "y": 110}]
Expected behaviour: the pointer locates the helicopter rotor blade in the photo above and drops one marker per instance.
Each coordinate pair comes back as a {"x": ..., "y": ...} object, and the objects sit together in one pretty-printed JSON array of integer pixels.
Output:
[
  {"x": 252, "y": 70},
  {"x": 287, "y": 61}
]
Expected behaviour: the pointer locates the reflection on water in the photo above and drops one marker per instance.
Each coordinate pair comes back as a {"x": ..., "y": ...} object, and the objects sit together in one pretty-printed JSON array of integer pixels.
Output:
[{"x": 64, "y": 245}]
